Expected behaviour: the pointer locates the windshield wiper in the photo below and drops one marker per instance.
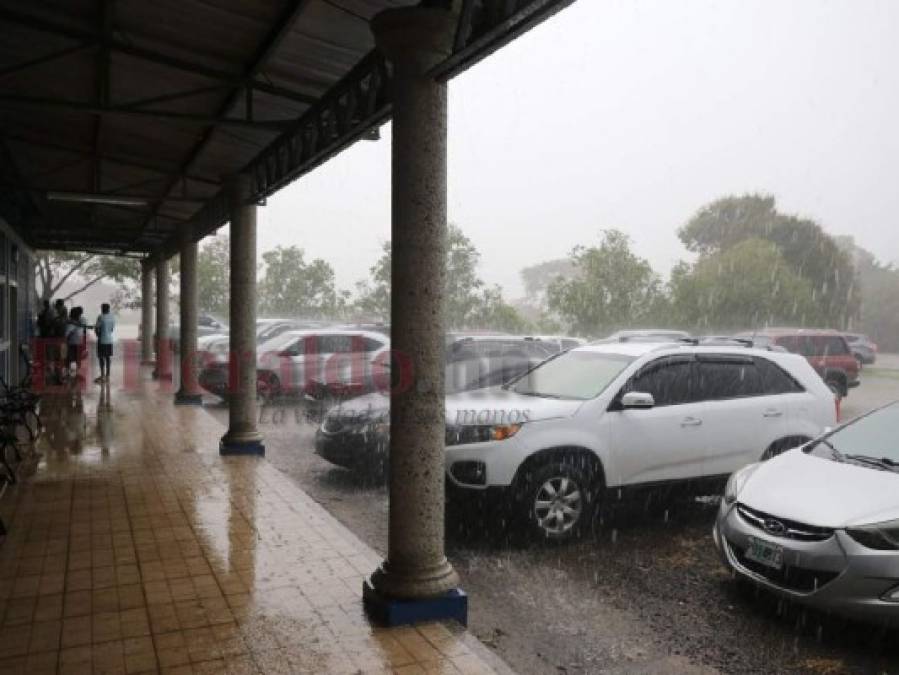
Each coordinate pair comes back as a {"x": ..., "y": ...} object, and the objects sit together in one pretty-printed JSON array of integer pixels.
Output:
[
  {"x": 538, "y": 394},
  {"x": 882, "y": 462},
  {"x": 837, "y": 455}
]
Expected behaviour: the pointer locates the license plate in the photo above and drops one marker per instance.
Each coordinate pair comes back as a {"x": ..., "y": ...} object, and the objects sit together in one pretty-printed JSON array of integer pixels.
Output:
[{"x": 765, "y": 553}]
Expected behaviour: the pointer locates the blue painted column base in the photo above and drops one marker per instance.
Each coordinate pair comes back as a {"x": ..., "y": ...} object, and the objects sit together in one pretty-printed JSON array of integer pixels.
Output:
[
  {"x": 227, "y": 447},
  {"x": 390, "y": 612},
  {"x": 183, "y": 398}
]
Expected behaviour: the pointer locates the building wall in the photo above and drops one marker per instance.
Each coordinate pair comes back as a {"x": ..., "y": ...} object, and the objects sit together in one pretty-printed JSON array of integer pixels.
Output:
[{"x": 17, "y": 301}]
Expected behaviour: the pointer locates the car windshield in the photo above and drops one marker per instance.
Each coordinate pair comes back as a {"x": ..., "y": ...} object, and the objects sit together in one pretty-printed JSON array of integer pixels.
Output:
[
  {"x": 576, "y": 374},
  {"x": 870, "y": 440}
]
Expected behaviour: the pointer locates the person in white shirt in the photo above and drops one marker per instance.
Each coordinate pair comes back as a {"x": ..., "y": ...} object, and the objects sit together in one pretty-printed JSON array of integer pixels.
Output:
[{"x": 104, "y": 328}]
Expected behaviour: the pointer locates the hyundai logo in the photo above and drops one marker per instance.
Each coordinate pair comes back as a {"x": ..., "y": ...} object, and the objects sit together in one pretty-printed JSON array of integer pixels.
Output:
[{"x": 775, "y": 527}]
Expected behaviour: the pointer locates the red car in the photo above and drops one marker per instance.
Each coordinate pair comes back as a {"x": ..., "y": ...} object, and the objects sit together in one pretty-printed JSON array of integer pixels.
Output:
[{"x": 826, "y": 350}]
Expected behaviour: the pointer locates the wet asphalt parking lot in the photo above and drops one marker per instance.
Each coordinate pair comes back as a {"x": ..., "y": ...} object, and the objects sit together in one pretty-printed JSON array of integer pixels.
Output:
[{"x": 644, "y": 593}]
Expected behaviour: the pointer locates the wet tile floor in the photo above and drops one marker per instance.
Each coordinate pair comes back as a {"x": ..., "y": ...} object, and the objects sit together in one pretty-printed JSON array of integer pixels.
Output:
[{"x": 133, "y": 547}]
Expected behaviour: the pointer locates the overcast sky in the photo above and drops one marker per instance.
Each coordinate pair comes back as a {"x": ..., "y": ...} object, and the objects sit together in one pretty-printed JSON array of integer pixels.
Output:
[{"x": 632, "y": 114}]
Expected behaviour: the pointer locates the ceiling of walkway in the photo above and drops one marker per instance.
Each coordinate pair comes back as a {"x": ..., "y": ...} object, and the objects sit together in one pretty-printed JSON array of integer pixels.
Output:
[{"x": 118, "y": 118}]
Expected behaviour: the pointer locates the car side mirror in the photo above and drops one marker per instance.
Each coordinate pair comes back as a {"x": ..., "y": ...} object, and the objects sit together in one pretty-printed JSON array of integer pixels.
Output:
[{"x": 637, "y": 400}]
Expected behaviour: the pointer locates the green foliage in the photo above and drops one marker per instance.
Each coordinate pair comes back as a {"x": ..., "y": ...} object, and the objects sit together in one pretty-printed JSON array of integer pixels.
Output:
[
  {"x": 292, "y": 287},
  {"x": 495, "y": 313},
  {"x": 880, "y": 300},
  {"x": 746, "y": 285},
  {"x": 611, "y": 288},
  {"x": 809, "y": 252},
  {"x": 469, "y": 304},
  {"x": 373, "y": 298},
  {"x": 537, "y": 278},
  {"x": 213, "y": 275},
  {"x": 79, "y": 272}
]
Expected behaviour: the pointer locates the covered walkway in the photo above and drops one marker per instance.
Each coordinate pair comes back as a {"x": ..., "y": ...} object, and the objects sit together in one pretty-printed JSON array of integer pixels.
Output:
[{"x": 135, "y": 547}]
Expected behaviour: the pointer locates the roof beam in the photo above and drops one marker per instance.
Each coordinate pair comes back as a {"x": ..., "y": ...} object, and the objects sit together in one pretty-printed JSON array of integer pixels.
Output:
[
  {"x": 77, "y": 107},
  {"x": 46, "y": 58},
  {"x": 269, "y": 45},
  {"x": 121, "y": 160},
  {"x": 122, "y": 47},
  {"x": 97, "y": 197}
]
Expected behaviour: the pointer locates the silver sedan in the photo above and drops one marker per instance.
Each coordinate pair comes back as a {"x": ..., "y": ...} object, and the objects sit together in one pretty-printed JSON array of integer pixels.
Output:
[{"x": 819, "y": 525}]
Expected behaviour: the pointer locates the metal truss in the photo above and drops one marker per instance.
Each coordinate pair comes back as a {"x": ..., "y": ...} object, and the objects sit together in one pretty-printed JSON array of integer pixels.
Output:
[{"x": 360, "y": 102}]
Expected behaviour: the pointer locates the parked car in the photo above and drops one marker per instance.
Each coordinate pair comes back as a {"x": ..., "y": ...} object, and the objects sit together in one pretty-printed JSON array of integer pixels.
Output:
[
  {"x": 305, "y": 361},
  {"x": 864, "y": 349},
  {"x": 647, "y": 335},
  {"x": 819, "y": 525},
  {"x": 826, "y": 350},
  {"x": 464, "y": 347},
  {"x": 355, "y": 434},
  {"x": 560, "y": 342},
  {"x": 625, "y": 416}
]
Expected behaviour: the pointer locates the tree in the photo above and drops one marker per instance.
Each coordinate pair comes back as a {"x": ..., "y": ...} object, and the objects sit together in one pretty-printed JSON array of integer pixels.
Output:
[
  {"x": 879, "y": 289},
  {"x": 468, "y": 303},
  {"x": 810, "y": 252},
  {"x": 746, "y": 285},
  {"x": 373, "y": 300},
  {"x": 537, "y": 278},
  {"x": 496, "y": 314},
  {"x": 214, "y": 275},
  {"x": 78, "y": 272},
  {"x": 292, "y": 287},
  {"x": 611, "y": 288}
]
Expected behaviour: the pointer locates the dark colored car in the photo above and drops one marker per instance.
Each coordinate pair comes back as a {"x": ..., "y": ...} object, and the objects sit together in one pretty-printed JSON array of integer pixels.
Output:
[
  {"x": 863, "y": 347},
  {"x": 355, "y": 434},
  {"x": 827, "y": 351}
]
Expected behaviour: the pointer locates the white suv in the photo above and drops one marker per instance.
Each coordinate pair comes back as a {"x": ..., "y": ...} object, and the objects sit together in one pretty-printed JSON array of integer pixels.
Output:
[{"x": 606, "y": 417}]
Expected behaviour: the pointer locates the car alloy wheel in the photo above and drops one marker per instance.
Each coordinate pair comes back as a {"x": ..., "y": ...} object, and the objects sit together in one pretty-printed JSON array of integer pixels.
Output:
[{"x": 558, "y": 505}]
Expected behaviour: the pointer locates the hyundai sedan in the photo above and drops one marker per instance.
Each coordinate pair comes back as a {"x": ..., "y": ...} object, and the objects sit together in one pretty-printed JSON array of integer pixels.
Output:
[{"x": 820, "y": 524}]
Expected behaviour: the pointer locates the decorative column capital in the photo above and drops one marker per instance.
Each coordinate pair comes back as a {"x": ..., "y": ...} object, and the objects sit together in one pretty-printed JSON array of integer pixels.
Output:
[{"x": 414, "y": 39}]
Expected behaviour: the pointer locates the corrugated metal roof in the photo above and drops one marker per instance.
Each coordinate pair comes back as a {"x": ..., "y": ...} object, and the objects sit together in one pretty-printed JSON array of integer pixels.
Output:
[{"x": 153, "y": 102}]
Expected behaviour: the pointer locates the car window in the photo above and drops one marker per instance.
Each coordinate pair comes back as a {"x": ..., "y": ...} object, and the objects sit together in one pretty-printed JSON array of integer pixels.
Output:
[
  {"x": 775, "y": 380},
  {"x": 724, "y": 379},
  {"x": 670, "y": 381},
  {"x": 576, "y": 374},
  {"x": 540, "y": 350},
  {"x": 335, "y": 344},
  {"x": 295, "y": 348},
  {"x": 835, "y": 345},
  {"x": 872, "y": 435},
  {"x": 371, "y": 345}
]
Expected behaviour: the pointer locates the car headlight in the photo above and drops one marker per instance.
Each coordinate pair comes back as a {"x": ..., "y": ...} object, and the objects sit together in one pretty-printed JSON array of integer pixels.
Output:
[
  {"x": 880, "y": 537},
  {"x": 736, "y": 482},
  {"x": 480, "y": 433}
]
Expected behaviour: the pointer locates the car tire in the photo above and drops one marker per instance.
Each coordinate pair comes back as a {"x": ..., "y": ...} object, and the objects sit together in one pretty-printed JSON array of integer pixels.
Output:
[
  {"x": 781, "y": 446},
  {"x": 558, "y": 499}
]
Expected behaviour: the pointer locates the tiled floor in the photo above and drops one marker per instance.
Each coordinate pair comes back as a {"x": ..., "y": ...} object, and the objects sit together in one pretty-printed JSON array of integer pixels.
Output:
[{"x": 135, "y": 548}]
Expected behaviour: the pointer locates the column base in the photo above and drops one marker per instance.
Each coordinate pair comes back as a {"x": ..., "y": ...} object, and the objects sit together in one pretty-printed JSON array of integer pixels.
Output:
[
  {"x": 183, "y": 398},
  {"x": 237, "y": 445},
  {"x": 452, "y": 605}
]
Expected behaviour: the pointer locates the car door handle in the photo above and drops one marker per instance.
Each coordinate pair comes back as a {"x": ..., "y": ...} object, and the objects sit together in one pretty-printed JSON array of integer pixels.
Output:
[
  {"x": 773, "y": 413},
  {"x": 691, "y": 422}
]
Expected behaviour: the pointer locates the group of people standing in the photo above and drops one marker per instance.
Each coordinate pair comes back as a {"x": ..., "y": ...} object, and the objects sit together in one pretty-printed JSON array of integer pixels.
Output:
[{"x": 68, "y": 333}]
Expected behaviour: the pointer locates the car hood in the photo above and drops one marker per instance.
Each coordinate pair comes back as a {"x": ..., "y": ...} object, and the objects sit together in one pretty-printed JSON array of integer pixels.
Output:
[
  {"x": 368, "y": 406},
  {"x": 819, "y": 491},
  {"x": 497, "y": 406}
]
